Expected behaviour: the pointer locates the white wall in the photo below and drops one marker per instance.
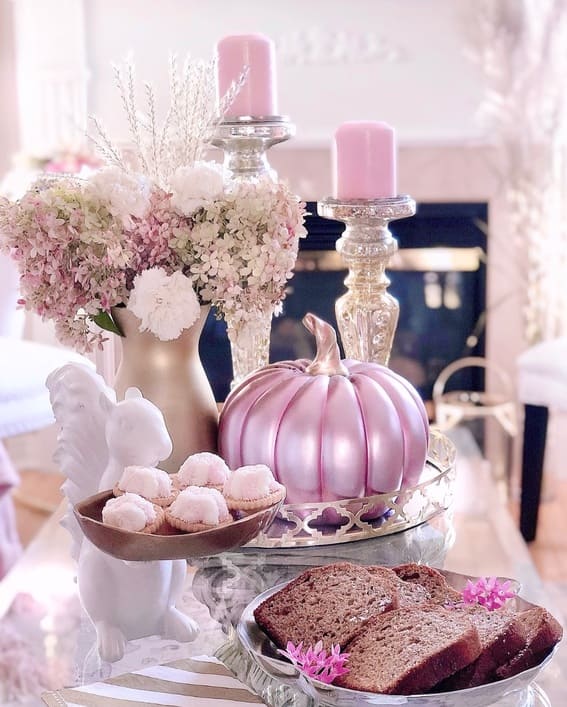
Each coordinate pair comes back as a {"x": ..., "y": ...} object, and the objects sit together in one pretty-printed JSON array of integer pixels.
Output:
[
  {"x": 394, "y": 60},
  {"x": 51, "y": 74}
]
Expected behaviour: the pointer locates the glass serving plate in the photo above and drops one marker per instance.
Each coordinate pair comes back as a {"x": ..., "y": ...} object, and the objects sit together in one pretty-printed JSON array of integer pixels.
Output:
[
  {"x": 517, "y": 691},
  {"x": 306, "y": 524},
  {"x": 175, "y": 545}
]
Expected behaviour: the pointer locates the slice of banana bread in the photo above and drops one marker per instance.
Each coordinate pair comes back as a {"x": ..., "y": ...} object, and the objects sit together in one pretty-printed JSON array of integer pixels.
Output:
[
  {"x": 502, "y": 634},
  {"x": 543, "y": 631},
  {"x": 410, "y": 593},
  {"x": 327, "y": 604},
  {"x": 437, "y": 590},
  {"x": 409, "y": 650}
]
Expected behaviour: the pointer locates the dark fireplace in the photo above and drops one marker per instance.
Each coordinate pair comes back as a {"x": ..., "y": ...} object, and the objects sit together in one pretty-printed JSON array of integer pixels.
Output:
[{"x": 438, "y": 277}]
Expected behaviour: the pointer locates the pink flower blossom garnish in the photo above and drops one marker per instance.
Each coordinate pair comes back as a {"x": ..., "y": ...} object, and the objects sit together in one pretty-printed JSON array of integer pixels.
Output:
[
  {"x": 315, "y": 662},
  {"x": 488, "y": 591}
]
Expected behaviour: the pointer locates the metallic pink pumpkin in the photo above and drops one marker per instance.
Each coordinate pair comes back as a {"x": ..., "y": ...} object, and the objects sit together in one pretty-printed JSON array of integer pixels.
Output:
[{"x": 328, "y": 429}]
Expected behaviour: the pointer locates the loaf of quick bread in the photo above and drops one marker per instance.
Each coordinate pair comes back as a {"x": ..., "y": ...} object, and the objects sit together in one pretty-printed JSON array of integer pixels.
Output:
[{"x": 406, "y": 629}]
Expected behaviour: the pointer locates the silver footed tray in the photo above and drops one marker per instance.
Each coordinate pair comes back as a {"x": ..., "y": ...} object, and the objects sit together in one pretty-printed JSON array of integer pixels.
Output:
[
  {"x": 306, "y": 524},
  {"x": 517, "y": 691}
]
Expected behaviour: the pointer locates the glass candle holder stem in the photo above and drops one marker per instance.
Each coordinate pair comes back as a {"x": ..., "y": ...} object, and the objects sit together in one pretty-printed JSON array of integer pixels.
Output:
[
  {"x": 367, "y": 315},
  {"x": 249, "y": 343},
  {"x": 245, "y": 141}
]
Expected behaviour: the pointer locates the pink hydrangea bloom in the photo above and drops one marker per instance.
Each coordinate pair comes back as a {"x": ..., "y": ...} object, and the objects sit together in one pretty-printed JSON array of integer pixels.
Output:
[
  {"x": 243, "y": 247},
  {"x": 488, "y": 591},
  {"x": 71, "y": 256},
  {"x": 316, "y": 663}
]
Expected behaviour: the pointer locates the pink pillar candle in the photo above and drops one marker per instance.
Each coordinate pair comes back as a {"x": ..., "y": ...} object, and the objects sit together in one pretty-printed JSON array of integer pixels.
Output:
[
  {"x": 365, "y": 161},
  {"x": 257, "y": 96}
]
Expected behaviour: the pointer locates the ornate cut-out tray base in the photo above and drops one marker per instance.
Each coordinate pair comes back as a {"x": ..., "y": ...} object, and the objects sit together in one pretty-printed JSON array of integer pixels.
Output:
[{"x": 305, "y": 524}]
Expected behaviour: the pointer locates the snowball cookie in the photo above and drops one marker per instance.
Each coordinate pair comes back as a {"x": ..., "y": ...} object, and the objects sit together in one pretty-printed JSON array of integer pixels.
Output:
[
  {"x": 197, "y": 508},
  {"x": 251, "y": 488},
  {"x": 132, "y": 512},
  {"x": 153, "y": 484},
  {"x": 202, "y": 469}
]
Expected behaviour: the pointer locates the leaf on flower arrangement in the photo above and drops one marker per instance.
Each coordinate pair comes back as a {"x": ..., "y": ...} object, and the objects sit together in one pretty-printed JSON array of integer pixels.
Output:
[{"x": 105, "y": 321}]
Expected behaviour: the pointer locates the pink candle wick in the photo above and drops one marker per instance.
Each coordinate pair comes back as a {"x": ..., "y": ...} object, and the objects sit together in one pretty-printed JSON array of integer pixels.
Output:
[
  {"x": 365, "y": 161},
  {"x": 257, "y": 96}
]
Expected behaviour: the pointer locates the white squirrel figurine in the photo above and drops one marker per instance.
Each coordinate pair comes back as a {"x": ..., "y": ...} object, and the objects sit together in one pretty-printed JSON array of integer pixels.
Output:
[{"x": 98, "y": 439}]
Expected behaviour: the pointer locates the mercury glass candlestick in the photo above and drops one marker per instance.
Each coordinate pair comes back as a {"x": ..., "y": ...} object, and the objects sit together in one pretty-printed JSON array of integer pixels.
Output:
[
  {"x": 367, "y": 315},
  {"x": 245, "y": 141}
]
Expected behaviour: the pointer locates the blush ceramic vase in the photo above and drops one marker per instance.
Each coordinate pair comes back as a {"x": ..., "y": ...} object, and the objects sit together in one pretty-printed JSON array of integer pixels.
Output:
[
  {"x": 328, "y": 429},
  {"x": 171, "y": 375}
]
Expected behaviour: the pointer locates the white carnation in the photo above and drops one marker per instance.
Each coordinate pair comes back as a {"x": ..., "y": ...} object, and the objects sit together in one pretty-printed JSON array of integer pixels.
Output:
[
  {"x": 165, "y": 304},
  {"x": 195, "y": 186},
  {"x": 125, "y": 195}
]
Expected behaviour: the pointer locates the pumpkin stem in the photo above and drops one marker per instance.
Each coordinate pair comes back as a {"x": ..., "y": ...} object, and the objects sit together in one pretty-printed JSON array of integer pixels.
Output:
[{"x": 327, "y": 360}]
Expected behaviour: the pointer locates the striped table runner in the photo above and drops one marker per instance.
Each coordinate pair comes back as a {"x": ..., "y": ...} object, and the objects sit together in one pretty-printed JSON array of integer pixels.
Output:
[{"x": 194, "y": 682}]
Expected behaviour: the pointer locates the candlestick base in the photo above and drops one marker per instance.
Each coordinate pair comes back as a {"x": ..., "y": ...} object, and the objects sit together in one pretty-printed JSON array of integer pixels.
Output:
[
  {"x": 245, "y": 140},
  {"x": 367, "y": 315}
]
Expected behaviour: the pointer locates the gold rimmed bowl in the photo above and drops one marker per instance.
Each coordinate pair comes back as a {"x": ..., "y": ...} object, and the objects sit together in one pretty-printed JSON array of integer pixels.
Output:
[{"x": 171, "y": 544}]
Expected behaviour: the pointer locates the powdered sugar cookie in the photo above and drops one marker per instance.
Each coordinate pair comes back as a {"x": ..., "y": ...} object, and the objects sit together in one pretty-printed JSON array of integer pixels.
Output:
[
  {"x": 252, "y": 488},
  {"x": 132, "y": 512},
  {"x": 202, "y": 469},
  {"x": 197, "y": 508},
  {"x": 153, "y": 484}
]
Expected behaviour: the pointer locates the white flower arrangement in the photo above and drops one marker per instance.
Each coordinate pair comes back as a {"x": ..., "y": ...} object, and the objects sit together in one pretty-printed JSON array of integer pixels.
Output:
[{"x": 156, "y": 230}]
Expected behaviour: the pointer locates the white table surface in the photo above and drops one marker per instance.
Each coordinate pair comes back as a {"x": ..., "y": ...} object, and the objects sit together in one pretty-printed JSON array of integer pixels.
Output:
[{"x": 487, "y": 543}]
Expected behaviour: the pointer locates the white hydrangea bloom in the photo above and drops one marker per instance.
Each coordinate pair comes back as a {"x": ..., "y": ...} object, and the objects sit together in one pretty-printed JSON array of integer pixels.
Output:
[
  {"x": 165, "y": 304},
  {"x": 125, "y": 194},
  {"x": 196, "y": 186}
]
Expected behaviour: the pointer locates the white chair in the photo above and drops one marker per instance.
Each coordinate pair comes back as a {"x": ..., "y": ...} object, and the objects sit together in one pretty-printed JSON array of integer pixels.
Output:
[
  {"x": 542, "y": 386},
  {"x": 24, "y": 399},
  {"x": 458, "y": 407}
]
